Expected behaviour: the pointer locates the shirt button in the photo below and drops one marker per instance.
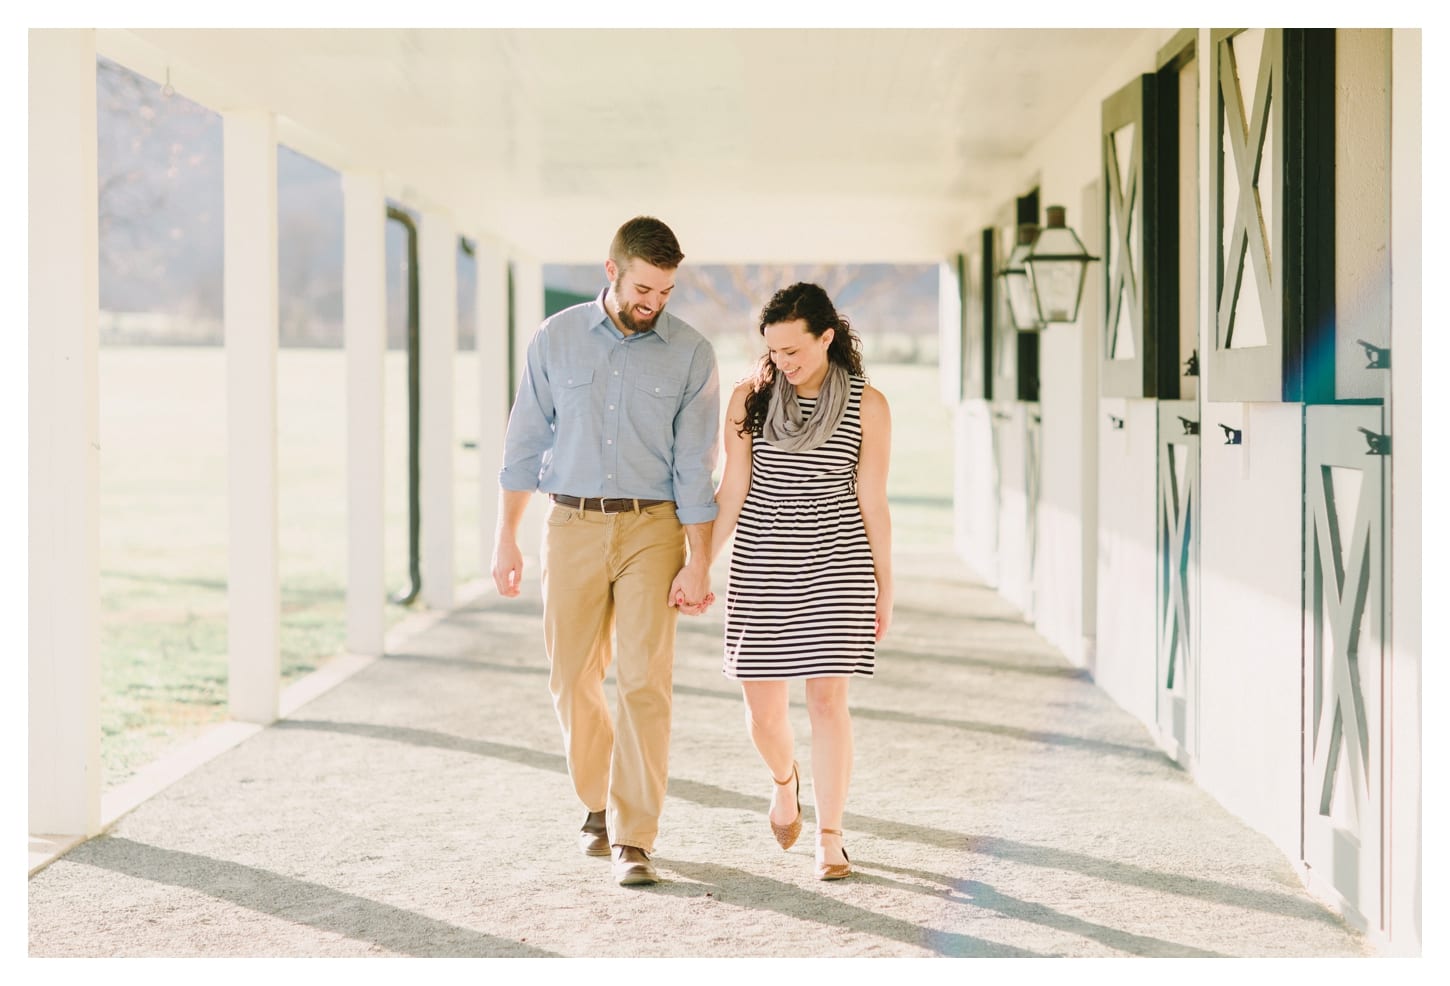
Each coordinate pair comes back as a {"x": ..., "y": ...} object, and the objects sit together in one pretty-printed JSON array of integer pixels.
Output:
[
  {"x": 609, "y": 442},
  {"x": 616, "y": 373},
  {"x": 610, "y": 476},
  {"x": 611, "y": 407}
]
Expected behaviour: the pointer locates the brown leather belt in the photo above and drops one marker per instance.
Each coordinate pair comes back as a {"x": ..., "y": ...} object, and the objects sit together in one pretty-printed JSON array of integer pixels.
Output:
[{"x": 605, "y": 504}]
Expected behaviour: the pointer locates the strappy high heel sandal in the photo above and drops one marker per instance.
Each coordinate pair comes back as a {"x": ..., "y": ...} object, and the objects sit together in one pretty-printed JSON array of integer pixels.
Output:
[
  {"x": 833, "y": 871},
  {"x": 787, "y": 834}
]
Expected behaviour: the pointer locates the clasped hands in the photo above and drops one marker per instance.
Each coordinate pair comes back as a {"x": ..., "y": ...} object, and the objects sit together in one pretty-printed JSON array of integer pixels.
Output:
[{"x": 690, "y": 592}]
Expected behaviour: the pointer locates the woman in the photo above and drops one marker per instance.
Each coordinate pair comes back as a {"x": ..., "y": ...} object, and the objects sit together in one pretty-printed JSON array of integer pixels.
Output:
[{"x": 807, "y": 444}]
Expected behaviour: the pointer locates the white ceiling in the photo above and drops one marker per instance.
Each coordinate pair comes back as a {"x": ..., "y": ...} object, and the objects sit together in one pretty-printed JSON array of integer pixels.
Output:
[{"x": 754, "y": 144}]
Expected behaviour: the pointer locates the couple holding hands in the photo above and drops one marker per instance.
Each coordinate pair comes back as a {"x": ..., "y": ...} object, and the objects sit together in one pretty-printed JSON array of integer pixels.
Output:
[{"x": 617, "y": 420}]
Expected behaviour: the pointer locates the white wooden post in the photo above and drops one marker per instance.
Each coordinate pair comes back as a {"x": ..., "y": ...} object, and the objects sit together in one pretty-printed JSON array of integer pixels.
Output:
[
  {"x": 1406, "y": 412},
  {"x": 64, "y": 431},
  {"x": 493, "y": 387},
  {"x": 1087, "y": 437},
  {"x": 250, "y": 318},
  {"x": 528, "y": 279},
  {"x": 949, "y": 330},
  {"x": 437, "y": 344},
  {"x": 364, "y": 287}
]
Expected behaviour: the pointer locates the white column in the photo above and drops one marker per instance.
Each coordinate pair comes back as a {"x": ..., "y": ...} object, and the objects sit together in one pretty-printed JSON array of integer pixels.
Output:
[
  {"x": 492, "y": 321},
  {"x": 364, "y": 290},
  {"x": 528, "y": 278},
  {"x": 1088, "y": 425},
  {"x": 437, "y": 344},
  {"x": 250, "y": 317},
  {"x": 1406, "y": 411},
  {"x": 949, "y": 330},
  {"x": 64, "y": 460}
]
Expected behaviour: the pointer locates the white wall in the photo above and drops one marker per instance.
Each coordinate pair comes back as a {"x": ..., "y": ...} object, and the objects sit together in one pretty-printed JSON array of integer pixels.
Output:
[
  {"x": 1250, "y": 643},
  {"x": 1251, "y": 574},
  {"x": 1067, "y": 510},
  {"x": 1068, "y": 161},
  {"x": 1014, "y": 564},
  {"x": 1247, "y": 747},
  {"x": 1406, "y": 411},
  {"x": 1250, "y": 616},
  {"x": 1059, "y": 600},
  {"x": 1062, "y": 508},
  {"x": 1063, "y": 598},
  {"x": 1126, "y": 646},
  {"x": 975, "y": 489}
]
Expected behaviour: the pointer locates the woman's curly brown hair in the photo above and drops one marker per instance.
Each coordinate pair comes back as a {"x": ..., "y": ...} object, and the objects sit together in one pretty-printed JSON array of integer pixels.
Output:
[{"x": 809, "y": 303}]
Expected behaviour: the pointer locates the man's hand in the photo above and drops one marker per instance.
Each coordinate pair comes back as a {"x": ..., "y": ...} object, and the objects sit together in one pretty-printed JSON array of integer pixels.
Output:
[
  {"x": 508, "y": 568},
  {"x": 690, "y": 592}
]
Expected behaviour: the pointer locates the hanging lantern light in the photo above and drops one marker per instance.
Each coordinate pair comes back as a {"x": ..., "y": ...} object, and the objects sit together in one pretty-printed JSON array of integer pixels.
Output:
[
  {"x": 1017, "y": 279},
  {"x": 1057, "y": 268}
]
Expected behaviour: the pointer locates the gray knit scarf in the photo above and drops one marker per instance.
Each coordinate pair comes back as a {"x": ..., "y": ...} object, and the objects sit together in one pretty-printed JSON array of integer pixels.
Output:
[{"x": 786, "y": 428}]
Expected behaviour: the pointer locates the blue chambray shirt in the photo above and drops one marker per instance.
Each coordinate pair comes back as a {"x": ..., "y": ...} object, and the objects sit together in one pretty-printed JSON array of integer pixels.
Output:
[{"x": 599, "y": 413}]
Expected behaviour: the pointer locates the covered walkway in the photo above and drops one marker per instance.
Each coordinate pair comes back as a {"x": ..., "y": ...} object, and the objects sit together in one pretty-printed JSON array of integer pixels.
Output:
[
  {"x": 1002, "y": 805},
  {"x": 1199, "y": 495}
]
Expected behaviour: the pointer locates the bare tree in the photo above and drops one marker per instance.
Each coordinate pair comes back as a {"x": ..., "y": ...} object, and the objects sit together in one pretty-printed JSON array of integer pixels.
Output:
[{"x": 159, "y": 184}]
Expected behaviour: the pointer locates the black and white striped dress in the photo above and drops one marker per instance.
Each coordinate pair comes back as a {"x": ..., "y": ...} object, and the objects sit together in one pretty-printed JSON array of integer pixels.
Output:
[{"x": 801, "y": 600}]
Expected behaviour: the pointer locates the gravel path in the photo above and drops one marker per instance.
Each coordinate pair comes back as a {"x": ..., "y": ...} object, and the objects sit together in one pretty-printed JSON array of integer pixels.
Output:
[{"x": 1001, "y": 805}]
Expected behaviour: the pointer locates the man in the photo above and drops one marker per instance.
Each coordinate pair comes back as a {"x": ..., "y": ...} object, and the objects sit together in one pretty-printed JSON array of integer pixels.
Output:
[{"x": 617, "y": 419}]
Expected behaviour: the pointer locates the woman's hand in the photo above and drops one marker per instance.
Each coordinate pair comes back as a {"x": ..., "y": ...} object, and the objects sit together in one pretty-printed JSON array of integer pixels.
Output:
[{"x": 884, "y": 606}]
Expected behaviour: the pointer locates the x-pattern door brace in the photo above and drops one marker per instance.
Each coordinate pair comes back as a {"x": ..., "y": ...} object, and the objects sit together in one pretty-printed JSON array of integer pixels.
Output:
[
  {"x": 1344, "y": 585},
  {"x": 1124, "y": 290},
  {"x": 1249, "y": 236},
  {"x": 1177, "y": 508}
]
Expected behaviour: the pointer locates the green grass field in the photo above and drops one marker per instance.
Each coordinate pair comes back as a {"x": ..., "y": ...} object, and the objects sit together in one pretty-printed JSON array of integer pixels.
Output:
[{"x": 164, "y": 521}]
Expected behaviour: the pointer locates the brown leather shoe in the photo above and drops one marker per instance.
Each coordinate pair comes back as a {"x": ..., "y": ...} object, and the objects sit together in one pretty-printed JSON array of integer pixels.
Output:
[
  {"x": 593, "y": 840},
  {"x": 632, "y": 867}
]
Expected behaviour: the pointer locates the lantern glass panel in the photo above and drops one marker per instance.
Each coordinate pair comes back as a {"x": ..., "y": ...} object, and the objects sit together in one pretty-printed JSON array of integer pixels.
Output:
[
  {"x": 1017, "y": 278},
  {"x": 1058, "y": 284},
  {"x": 1020, "y": 299},
  {"x": 1058, "y": 262}
]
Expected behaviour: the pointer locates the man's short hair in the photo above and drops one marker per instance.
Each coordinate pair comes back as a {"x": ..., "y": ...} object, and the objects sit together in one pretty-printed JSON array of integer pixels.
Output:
[{"x": 648, "y": 239}]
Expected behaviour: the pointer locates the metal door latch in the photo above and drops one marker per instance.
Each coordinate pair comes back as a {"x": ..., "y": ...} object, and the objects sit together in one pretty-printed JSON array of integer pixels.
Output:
[
  {"x": 1232, "y": 436},
  {"x": 1190, "y": 368},
  {"x": 1116, "y": 422},
  {"x": 1190, "y": 427},
  {"x": 1379, "y": 357},
  {"x": 1378, "y": 444}
]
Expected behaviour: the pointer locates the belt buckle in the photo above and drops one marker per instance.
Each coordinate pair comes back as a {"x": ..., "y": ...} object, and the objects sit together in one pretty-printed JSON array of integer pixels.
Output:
[{"x": 623, "y": 506}]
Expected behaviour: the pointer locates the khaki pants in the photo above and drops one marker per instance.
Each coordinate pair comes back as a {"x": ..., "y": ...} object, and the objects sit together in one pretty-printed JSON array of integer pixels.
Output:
[{"x": 609, "y": 574}]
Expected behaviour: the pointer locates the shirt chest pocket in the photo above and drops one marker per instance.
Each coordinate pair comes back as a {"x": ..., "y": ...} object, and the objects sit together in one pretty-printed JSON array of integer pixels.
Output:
[
  {"x": 653, "y": 401},
  {"x": 571, "y": 390},
  {"x": 657, "y": 392}
]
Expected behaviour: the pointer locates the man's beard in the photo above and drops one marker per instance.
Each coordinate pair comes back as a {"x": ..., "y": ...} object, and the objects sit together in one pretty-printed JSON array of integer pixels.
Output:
[{"x": 626, "y": 314}]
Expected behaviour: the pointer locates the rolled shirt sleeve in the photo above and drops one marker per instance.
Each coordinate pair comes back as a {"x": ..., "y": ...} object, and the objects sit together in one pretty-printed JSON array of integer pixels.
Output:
[
  {"x": 530, "y": 434},
  {"x": 697, "y": 440}
]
